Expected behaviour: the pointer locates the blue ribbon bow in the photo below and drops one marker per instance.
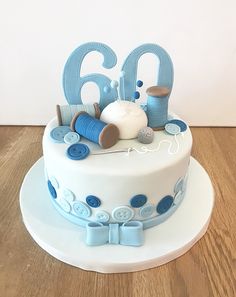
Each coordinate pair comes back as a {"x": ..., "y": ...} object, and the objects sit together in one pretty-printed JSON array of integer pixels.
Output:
[{"x": 129, "y": 233}]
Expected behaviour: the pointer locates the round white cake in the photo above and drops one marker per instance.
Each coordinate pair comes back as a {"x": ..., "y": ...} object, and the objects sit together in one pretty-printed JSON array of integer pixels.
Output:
[{"x": 144, "y": 183}]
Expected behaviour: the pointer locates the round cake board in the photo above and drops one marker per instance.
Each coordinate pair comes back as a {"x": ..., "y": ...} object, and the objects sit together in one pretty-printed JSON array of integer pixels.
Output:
[{"x": 163, "y": 243}]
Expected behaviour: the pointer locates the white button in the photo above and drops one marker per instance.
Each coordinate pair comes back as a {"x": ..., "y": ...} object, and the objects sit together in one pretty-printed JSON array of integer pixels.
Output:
[
  {"x": 64, "y": 204},
  {"x": 68, "y": 195},
  {"x": 122, "y": 213},
  {"x": 102, "y": 216}
]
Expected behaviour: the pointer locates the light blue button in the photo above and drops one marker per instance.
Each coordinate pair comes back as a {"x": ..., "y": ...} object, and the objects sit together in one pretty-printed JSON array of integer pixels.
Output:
[
  {"x": 58, "y": 133},
  {"x": 68, "y": 195},
  {"x": 81, "y": 209},
  {"x": 54, "y": 182},
  {"x": 71, "y": 138},
  {"x": 179, "y": 185},
  {"x": 146, "y": 211},
  {"x": 172, "y": 129},
  {"x": 122, "y": 213},
  {"x": 64, "y": 204},
  {"x": 181, "y": 124},
  {"x": 102, "y": 216},
  {"x": 178, "y": 197}
]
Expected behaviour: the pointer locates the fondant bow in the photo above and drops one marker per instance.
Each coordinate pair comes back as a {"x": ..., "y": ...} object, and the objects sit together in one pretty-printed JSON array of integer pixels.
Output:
[{"x": 129, "y": 233}]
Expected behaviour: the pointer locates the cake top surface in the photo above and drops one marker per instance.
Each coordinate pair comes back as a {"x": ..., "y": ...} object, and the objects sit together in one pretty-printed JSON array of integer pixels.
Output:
[{"x": 137, "y": 158}]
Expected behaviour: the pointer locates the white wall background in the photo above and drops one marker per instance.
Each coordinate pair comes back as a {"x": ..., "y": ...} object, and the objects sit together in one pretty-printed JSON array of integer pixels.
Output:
[{"x": 36, "y": 38}]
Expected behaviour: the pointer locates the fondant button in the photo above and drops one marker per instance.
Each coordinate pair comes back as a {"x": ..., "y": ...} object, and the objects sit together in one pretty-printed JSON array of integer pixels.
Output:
[
  {"x": 165, "y": 204},
  {"x": 138, "y": 200},
  {"x": 54, "y": 182},
  {"x": 93, "y": 201},
  {"x": 81, "y": 209},
  {"x": 172, "y": 129},
  {"x": 71, "y": 138},
  {"x": 102, "y": 216},
  {"x": 64, "y": 204},
  {"x": 146, "y": 211},
  {"x": 78, "y": 151},
  {"x": 181, "y": 124},
  {"x": 68, "y": 195},
  {"x": 178, "y": 197},
  {"x": 52, "y": 190},
  {"x": 179, "y": 185},
  {"x": 58, "y": 133},
  {"x": 122, "y": 213}
]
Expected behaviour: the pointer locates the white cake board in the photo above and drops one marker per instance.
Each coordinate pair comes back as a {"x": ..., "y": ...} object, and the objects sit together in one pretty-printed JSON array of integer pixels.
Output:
[{"x": 65, "y": 240}]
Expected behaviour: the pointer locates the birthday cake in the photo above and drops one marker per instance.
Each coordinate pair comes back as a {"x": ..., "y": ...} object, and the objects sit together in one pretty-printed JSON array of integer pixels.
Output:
[{"x": 117, "y": 167}]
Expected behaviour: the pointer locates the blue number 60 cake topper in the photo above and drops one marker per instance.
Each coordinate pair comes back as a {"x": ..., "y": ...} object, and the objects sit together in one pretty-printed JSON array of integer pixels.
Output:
[{"x": 73, "y": 82}]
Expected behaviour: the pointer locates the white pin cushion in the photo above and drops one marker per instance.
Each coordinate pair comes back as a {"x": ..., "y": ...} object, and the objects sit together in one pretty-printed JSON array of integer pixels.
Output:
[{"x": 127, "y": 116}]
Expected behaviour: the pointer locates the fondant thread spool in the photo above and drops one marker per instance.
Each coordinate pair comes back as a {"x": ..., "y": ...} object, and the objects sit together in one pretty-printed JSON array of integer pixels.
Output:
[
  {"x": 65, "y": 113},
  {"x": 157, "y": 107},
  {"x": 106, "y": 135}
]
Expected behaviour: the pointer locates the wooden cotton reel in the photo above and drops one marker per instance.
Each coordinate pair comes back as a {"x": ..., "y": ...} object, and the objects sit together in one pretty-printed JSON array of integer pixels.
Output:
[
  {"x": 106, "y": 135},
  {"x": 65, "y": 113},
  {"x": 157, "y": 107}
]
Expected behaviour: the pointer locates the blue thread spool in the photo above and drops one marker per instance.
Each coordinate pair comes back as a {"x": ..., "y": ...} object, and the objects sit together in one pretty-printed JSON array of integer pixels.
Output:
[
  {"x": 65, "y": 113},
  {"x": 157, "y": 107},
  {"x": 106, "y": 135}
]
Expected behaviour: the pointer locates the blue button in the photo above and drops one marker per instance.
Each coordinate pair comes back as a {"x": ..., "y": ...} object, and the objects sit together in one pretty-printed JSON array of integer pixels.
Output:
[
  {"x": 68, "y": 195},
  {"x": 138, "y": 200},
  {"x": 58, "y": 133},
  {"x": 139, "y": 83},
  {"x": 78, "y": 151},
  {"x": 93, "y": 201},
  {"x": 146, "y": 211},
  {"x": 165, "y": 204},
  {"x": 181, "y": 124},
  {"x": 52, "y": 190},
  {"x": 81, "y": 209},
  {"x": 71, "y": 138},
  {"x": 179, "y": 185},
  {"x": 172, "y": 129},
  {"x": 122, "y": 213},
  {"x": 64, "y": 204},
  {"x": 102, "y": 216}
]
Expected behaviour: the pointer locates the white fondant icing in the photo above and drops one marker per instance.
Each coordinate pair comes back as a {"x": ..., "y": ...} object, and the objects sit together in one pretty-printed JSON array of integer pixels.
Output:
[
  {"x": 127, "y": 116},
  {"x": 116, "y": 178}
]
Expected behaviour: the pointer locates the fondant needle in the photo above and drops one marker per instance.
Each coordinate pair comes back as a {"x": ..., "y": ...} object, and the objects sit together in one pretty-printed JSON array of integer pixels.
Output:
[{"x": 124, "y": 150}]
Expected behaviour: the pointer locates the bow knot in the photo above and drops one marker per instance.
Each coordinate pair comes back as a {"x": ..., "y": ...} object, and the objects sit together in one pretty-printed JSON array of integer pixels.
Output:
[{"x": 129, "y": 233}]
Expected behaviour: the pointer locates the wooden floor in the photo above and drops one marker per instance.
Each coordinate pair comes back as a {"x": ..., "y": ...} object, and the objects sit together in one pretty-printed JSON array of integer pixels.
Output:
[{"x": 208, "y": 269}]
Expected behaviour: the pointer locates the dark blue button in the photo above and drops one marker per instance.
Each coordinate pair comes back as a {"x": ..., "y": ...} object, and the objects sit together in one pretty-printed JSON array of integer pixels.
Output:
[
  {"x": 58, "y": 133},
  {"x": 139, "y": 83},
  {"x": 136, "y": 95},
  {"x": 78, "y": 151},
  {"x": 93, "y": 201},
  {"x": 165, "y": 204},
  {"x": 138, "y": 200},
  {"x": 52, "y": 190},
  {"x": 181, "y": 124}
]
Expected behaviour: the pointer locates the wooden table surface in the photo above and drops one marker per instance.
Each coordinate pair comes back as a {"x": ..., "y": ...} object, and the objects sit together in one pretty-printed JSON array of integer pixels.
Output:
[{"x": 208, "y": 269}]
